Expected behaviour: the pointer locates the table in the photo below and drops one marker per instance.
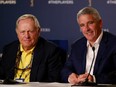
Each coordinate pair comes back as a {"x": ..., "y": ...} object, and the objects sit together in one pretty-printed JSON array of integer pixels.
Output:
[
  {"x": 37, "y": 84},
  {"x": 54, "y": 84}
]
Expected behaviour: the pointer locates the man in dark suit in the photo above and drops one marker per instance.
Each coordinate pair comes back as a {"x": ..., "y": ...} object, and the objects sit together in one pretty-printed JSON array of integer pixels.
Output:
[
  {"x": 95, "y": 53},
  {"x": 31, "y": 58}
]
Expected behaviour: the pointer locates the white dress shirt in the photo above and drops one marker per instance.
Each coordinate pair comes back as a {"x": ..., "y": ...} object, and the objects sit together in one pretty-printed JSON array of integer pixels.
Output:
[{"x": 90, "y": 54}]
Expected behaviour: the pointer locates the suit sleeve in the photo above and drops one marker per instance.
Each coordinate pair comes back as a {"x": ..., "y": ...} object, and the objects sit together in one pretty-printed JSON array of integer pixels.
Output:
[{"x": 55, "y": 64}]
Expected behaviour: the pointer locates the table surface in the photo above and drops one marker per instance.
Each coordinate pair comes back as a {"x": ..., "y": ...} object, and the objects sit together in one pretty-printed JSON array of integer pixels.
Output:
[
  {"x": 37, "y": 84},
  {"x": 54, "y": 84}
]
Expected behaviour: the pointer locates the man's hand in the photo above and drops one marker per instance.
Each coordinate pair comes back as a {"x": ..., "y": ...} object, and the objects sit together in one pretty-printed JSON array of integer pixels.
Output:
[
  {"x": 73, "y": 78},
  {"x": 76, "y": 79}
]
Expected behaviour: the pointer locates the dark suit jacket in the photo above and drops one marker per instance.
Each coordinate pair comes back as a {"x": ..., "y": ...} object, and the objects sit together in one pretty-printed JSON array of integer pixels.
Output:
[
  {"x": 105, "y": 61},
  {"x": 47, "y": 63}
]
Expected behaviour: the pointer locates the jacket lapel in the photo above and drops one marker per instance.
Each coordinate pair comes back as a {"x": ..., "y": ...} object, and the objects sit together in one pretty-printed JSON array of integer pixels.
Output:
[
  {"x": 101, "y": 53},
  {"x": 84, "y": 58},
  {"x": 36, "y": 60}
]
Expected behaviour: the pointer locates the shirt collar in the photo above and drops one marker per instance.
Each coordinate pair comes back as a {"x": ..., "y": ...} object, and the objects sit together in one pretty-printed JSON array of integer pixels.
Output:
[
  {"x": 22, "y": 50},
  {"x": 97, "y": 42}
]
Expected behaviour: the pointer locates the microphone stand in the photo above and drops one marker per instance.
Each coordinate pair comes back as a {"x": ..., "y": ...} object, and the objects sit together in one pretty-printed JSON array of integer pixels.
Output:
[{"x": 86, "y": 82}]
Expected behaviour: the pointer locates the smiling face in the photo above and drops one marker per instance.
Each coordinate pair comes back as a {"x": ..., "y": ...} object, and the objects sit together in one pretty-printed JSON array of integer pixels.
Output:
[
  {"x": 27, "y": 33},
  {"x": 90, "y": 27}
]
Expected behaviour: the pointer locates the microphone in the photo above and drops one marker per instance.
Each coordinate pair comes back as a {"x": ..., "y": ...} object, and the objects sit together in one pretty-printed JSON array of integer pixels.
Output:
[
  {"x": 8, "y": 80},
  {"x": 86, "y": 82}
]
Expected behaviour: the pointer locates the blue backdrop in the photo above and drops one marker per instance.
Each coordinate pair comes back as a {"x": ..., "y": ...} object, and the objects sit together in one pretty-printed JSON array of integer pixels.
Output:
[{"x": 57, "y": 18}]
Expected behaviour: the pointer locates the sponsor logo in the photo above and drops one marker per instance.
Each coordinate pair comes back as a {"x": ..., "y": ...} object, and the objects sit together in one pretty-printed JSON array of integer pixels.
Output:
[
  {"x": 7, "y": 2},
  {"x": 90, "y": 2},
  {"x": 111, "y": 1},
  {"x": 60, "y": 2},
  {"x": 106, "y": 29},
  {"x": 45, "y": 29},
  {"x": 31, "y": 3}
]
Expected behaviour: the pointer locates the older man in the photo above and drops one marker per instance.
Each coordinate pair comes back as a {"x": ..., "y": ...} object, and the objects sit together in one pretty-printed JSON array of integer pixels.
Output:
[{"x": 31, "y": 58}]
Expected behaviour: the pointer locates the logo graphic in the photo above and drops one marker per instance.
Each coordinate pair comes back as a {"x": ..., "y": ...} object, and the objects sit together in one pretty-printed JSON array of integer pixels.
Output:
[
  {"x": 31, "y": 3},
  {"x": 90, "y": 2}
]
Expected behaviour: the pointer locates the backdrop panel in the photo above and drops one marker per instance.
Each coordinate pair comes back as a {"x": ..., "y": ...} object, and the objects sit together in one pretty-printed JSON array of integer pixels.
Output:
[{"x": 57, "y": 17}]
